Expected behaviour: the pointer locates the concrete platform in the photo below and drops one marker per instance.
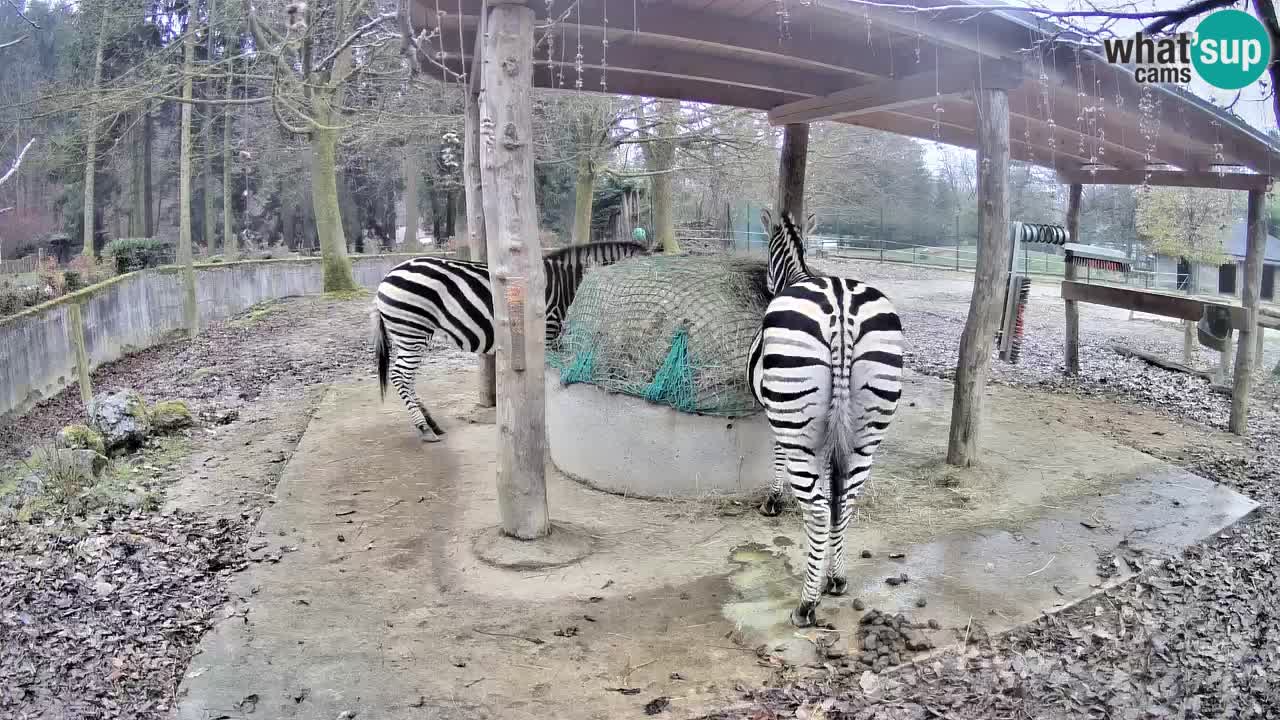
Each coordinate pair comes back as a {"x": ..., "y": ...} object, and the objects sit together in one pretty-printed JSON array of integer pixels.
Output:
[{"x": 386, "y": 611}]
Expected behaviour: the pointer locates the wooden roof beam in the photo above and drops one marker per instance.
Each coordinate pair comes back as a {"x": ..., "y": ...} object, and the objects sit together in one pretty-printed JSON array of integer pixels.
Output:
[
  {"x": 914, "y": 23},
  {"x": 959, "y": 135},
  {"x": 1166, "y": 178},
  {"x": 897, "y": 93}
]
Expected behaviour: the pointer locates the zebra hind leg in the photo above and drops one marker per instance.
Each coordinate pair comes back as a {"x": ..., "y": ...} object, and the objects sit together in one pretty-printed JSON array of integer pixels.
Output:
[
  {"x": 817, "y": 524},
  {"x": 403, "y": 371},
  {"x": 772, "y": 505}
]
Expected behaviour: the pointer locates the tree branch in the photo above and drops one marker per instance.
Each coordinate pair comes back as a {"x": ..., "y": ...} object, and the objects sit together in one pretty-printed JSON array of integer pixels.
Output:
[
  {"x": 1267, "y": 9},
  {"x": 356, "y": 35},
  {"x": 18, "y": 10},
  {"x": 1185, "y": 13},
  {"x": 11, "y": 43},
  {"x": 13, "y": 169}
]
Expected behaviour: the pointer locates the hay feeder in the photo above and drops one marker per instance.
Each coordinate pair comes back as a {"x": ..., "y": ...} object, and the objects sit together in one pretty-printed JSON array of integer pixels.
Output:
[{"x": 647, "y": 390}]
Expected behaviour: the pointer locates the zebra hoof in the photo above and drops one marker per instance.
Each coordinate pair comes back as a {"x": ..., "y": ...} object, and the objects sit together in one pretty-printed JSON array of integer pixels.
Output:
[
  {"x": 805, "y": 615},
  {"x": 771, "y": 507},
  {"x": 836, "y": 586},
  {"x": 428, "y": 437}
]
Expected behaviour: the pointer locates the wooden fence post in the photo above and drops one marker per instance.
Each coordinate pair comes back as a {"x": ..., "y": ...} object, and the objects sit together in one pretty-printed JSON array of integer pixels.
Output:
[
  {"x": 75, "y": 333},
  {"x": 515, "y": 266},
  {"x": 994, "y": 248},
  {"x": 476, "y": 239},
  {"x": 1072, "y": 365},
  {"x": 1250, "y": 296}
]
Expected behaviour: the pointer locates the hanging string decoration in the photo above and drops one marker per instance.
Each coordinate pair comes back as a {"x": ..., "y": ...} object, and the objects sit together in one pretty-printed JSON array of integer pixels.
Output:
[{"x": 604, "y": 50}]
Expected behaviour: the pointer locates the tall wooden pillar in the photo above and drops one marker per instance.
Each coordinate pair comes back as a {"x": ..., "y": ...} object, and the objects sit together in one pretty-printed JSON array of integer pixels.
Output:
[
  {"x": 1250, "y": 296},
  {"x": 994, "y": 249},
  {"x": 791, "y": 168},
  {"x": 1072, "y": 360},
  {"x": 476, "y": 238},
  {"x": 515, "y": 265}
]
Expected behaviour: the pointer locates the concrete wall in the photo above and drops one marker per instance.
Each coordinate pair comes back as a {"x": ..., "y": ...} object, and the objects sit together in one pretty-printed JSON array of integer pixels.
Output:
[
  {"x": 141, "y": 309},
  {"x": 643, "y": 449}
]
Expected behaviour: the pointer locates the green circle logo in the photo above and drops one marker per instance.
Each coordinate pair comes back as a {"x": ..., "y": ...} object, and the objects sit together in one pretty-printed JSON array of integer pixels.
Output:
[{"x": 1232, "y": 49}]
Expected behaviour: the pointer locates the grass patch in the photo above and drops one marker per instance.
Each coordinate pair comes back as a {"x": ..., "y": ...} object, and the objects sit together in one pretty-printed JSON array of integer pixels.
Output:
[
  {"x": 356, "y": 294},
  {"x": 256, "y": 313}
]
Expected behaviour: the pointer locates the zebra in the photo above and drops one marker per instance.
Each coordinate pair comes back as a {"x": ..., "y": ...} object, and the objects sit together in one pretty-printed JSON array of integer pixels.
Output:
[
  {"x": 427, "y": 295},
  {"x": 826, "y": 365}
]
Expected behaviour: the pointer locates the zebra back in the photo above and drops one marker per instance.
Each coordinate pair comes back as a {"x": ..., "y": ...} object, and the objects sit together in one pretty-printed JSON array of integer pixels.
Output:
[{"x": 565, "y": 267}]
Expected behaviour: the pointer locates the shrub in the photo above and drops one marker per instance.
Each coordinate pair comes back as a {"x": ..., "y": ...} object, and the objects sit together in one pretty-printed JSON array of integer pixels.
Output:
[
  {"x": 138, "y": 253},
  {"x": 87, "y": 271}
]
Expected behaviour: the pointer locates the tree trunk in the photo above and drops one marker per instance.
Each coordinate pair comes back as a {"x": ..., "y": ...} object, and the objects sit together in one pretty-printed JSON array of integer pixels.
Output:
[
  {"x": 662, "y": 161},
  {"x": 410, "y": 166},
  {"x": 515, "y": 261},
  {"x": 448, "y": 213},
  {"x": 583, "y": 197},
  {"x": 137, "y": 194},
  {"x": 994, "y": 248},
  {"x": 328, "y": 215},
  {"x": 190, "y": 309},
  {"x": 206, "y": 180},
  {"x": 151, "y": 207},
  {"x": 437, "y": 227},
  {"x": 91, "y": 145},
  {"x": 476, "y": 236},
  {"x": 228, "y": 227}
]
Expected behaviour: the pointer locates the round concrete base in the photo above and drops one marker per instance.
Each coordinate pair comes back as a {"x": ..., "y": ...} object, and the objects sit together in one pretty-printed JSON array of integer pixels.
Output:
[
  {"x": 564, "y": 545},
  {"x": 627, "y": 445}
]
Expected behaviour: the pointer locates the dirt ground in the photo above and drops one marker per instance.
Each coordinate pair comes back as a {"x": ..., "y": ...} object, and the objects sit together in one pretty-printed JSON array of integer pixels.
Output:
[{"x": 257, "y": 382}]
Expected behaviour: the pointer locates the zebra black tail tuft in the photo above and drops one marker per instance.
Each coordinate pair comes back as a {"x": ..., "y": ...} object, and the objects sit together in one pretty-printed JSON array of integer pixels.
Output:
[
  {"x": 381, "y": 350},
  {"x": 841, "y": 437},
  {"x": 839, "y": 475}
]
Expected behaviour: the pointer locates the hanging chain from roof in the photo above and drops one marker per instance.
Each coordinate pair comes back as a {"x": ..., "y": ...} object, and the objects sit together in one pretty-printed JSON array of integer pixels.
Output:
[
  {"x": 604, "y": 50},
  {"x": 551, "y": 43},
  {"x": 784, "y": 20},
  {"x": 937, "y": 98},
  {"x": 915, "y": 18},
  {"x": 577, "y": 60},
  {"x": 1100, "y": 122}
]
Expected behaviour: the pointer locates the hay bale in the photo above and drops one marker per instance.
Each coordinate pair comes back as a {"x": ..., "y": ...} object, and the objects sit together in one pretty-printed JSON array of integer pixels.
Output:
[{"x": 675, "y": 330}]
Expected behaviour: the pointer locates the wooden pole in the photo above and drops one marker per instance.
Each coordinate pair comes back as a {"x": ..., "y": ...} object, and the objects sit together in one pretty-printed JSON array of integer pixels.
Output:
[
  {"x": 476, "y": 238},
  {"x": 75, "y": 332},
  {"x": 1188, "y": 343},
  {"x": 1250, "y": 295},
  {"x": 994, "y": 248},
  {"x": 791, "y": 167},
  {"x": 1072, "y": 364},
  {"x": 515, "y": 266}
]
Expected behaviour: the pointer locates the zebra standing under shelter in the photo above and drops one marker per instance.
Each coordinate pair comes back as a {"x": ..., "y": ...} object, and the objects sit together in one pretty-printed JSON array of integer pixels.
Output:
[
  {"x": 427, "y": 295},
  {"x": 826, "y": 365}
]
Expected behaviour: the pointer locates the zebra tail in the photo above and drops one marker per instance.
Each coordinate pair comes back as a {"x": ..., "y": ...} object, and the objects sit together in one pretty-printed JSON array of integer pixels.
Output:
[
  {"x": 842, "y": 431},
  {"x": 383, "y": 354}
]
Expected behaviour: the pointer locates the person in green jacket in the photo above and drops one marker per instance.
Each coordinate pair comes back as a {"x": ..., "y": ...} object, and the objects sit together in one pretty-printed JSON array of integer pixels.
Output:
[{"x": 639, "y": 235}]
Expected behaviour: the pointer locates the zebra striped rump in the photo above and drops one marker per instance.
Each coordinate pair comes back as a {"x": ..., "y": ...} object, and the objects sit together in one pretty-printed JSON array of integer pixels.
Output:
[{"x": 428, "y": 295}]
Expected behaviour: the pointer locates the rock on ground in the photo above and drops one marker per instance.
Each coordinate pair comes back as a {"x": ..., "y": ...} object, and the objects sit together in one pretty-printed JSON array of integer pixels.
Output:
[
  {"x": 81, "y": 437},
  {"x": 121, "y": 417}
]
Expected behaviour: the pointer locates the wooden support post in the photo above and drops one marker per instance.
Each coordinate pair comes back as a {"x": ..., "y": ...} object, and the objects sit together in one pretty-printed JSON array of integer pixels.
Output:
[
  {"x": 477, "y": 244},
  {"x": 1188, "y": 343},
  {"x": 791, "y": 167},
  {"x": 1250, "y": 296},
  {"x": 1072, "y": 361},
  {"x": 515, "y": 266},
  {"x": 994, "y": 248},
  {"x": 75, "y": 333}
]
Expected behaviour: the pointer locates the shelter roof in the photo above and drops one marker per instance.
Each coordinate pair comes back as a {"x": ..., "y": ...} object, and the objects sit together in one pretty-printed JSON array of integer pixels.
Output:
[{"x": 878, "y": 65}]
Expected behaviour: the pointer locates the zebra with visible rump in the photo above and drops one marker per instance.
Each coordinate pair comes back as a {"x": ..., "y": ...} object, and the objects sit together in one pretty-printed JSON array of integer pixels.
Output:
[
  {"x": 427, "y": 295},
  {"x": 826, "y": 365}
]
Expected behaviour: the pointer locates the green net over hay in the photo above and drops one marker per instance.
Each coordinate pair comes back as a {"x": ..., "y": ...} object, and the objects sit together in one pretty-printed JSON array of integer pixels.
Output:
[{"x": 673, "y": 330}]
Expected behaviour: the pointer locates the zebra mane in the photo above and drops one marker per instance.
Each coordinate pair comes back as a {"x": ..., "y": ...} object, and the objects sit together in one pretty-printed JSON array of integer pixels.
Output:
[
  {"x": 593, "y": 251},
  {"x": 786, "y": 252}
]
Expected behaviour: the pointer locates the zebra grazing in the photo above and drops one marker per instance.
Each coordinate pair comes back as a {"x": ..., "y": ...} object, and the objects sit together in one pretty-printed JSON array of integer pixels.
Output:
[
  {"x": 427, "y": 295},
  {"x": 826, "y": 365}
]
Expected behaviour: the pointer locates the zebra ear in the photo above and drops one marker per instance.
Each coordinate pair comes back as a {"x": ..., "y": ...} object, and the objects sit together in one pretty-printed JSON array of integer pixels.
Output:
[
  {"x": 810, "y": 225},
  {"x": 766, "y": 219}
]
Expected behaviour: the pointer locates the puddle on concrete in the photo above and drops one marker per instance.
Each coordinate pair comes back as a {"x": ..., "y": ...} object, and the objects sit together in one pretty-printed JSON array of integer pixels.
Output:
[{"x": 765, "y": 590}]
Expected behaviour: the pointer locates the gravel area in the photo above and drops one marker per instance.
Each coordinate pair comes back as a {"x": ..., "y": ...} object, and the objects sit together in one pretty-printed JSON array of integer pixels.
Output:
[{"x": 1192, "y": 636}]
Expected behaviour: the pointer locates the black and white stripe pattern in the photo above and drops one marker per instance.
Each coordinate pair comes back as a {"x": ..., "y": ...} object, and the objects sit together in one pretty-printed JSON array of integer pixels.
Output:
[
  {"x": 427, "y": 295},
  {"x": 827, "y": 367}
]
